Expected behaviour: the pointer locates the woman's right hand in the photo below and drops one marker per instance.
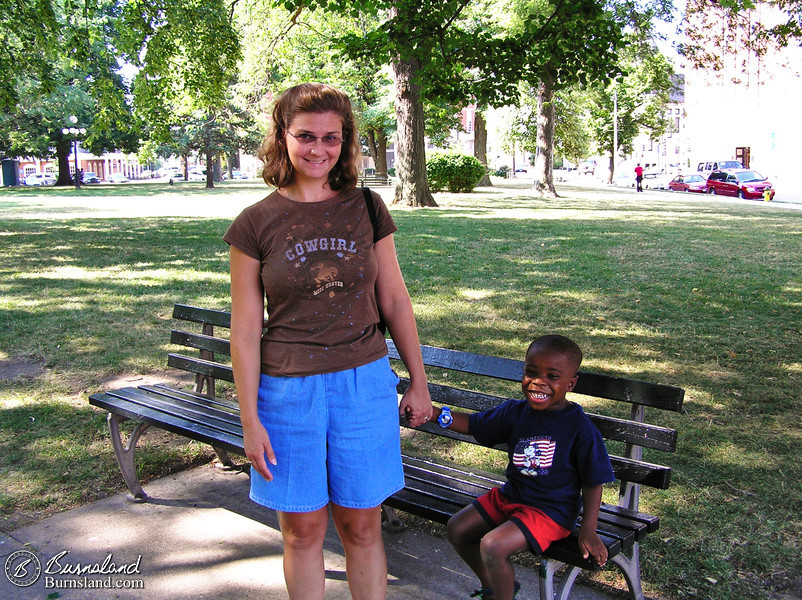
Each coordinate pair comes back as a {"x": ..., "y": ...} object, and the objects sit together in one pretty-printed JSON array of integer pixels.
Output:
[{"x": 258, "y": 450}]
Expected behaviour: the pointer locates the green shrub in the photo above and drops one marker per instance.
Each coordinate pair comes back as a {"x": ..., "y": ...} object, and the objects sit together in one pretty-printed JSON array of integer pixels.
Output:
[
  {"x": 453, "y": 171},
  {"x": 502, "y": 171}
]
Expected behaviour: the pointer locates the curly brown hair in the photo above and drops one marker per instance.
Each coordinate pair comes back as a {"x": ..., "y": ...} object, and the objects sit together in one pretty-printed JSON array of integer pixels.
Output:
[{"x": 311, "y": 98}]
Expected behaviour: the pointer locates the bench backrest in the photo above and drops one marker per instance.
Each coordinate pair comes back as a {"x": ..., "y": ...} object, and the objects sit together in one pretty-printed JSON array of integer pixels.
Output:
[
  {"x": 634, "y": 432},
  {"x": 207, "y": 367}
]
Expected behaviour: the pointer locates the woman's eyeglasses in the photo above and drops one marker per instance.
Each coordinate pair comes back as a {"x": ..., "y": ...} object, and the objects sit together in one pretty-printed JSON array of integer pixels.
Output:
[{"x": 307, "y": 139}]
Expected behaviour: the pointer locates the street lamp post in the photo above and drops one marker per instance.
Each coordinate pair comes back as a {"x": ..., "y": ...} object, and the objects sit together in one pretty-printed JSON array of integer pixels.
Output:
[{"x": 75, "y": 132}]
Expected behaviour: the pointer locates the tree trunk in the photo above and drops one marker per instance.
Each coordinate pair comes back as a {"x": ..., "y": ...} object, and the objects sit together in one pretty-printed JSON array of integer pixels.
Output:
[
  {"x": 372, "y": 149},
  {"x": 63, "y": 155},
  {"x": 544, "y": 158},
  {"x": 377, "y": 146},
  {"x": 612, "y": 168},
  {"x": 410, "y": 163},
  {"x": 381, "y": 153},
  {"x": 480, "y": 144},
  {"x": 209, "y": 166}
]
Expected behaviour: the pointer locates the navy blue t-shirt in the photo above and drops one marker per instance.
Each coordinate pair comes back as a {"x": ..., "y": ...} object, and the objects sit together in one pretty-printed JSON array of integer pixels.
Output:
[{"x": 552, "y": 455}]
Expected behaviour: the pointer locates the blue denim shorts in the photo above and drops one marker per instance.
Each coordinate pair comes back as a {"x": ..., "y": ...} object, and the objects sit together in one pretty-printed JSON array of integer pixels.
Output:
[{"x": 336, "y": 439}]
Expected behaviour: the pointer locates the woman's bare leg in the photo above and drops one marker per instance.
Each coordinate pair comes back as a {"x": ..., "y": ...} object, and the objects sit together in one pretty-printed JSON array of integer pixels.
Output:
[
  {"x": 303, "y": 535},
  {"x": 365, "y": 560}
]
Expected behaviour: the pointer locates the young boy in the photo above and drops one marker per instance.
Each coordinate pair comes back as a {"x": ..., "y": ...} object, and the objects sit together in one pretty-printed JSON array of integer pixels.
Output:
[{"x": 555, "y": 452}]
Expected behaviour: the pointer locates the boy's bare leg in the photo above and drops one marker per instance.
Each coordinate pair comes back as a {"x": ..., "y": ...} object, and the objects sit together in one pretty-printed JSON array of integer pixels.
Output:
[
  {"x": 465, "y": 532},
  {"x": 497, "y": 548}
]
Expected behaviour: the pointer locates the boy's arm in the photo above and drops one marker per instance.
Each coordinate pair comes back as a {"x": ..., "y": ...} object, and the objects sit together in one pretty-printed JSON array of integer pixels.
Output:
[
  {"x": 460, "y": 423},
  {"x": 589, "y": 541}
]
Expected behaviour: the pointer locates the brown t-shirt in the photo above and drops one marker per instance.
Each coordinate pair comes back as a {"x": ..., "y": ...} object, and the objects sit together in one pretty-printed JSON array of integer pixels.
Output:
[{"x": 319, "y": 275}]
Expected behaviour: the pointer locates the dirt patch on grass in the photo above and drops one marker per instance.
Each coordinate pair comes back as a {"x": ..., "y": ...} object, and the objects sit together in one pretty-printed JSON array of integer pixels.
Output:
[{"x": 21, "y": 367}]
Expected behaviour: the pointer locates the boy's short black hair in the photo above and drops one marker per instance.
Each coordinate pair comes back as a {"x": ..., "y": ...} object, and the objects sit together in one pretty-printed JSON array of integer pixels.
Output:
[{"x": 561, "y": 344}]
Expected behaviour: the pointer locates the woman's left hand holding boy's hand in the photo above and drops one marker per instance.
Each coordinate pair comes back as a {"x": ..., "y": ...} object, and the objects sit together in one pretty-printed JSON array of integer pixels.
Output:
[{"x": 416, "y": 406}]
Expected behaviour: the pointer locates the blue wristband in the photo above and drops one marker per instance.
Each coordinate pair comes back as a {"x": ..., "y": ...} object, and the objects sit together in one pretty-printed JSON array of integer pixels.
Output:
[{"x": 445, "y": 419}]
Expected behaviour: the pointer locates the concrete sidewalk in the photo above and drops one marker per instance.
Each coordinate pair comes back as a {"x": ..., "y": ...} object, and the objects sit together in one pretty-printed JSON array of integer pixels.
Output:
[{"x": 199, "y": 537}]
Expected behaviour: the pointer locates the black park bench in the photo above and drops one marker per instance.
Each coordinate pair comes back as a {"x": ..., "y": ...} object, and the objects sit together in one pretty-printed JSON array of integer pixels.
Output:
[{"x": 435, "y": 489}]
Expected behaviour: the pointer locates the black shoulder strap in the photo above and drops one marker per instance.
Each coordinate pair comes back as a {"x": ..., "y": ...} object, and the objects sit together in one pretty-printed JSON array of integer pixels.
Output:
[{"x": 374, "y": 220}]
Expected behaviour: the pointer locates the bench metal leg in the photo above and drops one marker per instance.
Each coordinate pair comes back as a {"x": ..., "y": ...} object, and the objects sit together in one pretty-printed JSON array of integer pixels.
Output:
[
  {"x": 631, "y": 569},
  {"x": 224, "y": 459},
  {"x": 547, "y": 571},
  {"x": 390, "y": 519},
  {"x": 125, "y": 455},
  {"x": 630, "y": 566}
]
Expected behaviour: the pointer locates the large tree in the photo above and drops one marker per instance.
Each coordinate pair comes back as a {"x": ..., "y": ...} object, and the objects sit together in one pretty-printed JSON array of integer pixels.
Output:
[
  {"x": 82, "y": 84},
  {"x": 28, "y": 45},
  {"x": 283, "y": 48},
  {"x": 562, "y": 44},
  {"x": 429, "y": 47},
  {"x": 186, "y": 54}
]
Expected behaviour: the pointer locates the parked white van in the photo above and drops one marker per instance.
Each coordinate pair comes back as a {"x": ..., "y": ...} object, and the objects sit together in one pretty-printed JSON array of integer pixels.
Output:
[{"x": 41, "y": 179}]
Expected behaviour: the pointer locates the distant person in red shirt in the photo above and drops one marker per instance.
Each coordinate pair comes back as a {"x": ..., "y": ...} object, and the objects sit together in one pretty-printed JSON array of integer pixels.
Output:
[{"x": 639, "y": 177}]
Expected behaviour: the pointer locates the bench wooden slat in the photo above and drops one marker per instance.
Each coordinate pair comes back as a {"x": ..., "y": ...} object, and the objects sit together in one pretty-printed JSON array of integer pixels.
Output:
[
  {"x": 417, "y": 504},
  {"x": 467, "y": 362},
  {"x": 455, "y": 397},
  {"x": 200, "y": 366},
  {"x": 446, "y": 485},
  {"x": 137, "y": 412},
  {"x": 434, "y": 508},
  {"x": 459, "y": 485},
  {"x": 200, "y": 342},
  {"x": 484, "y": 478},
  {"x": 656, "y": 395},
  {"x": 651, "y": 522},
  {"x": 625, "y": 469},
  {"x": 627, "y": 532},
  {"x": 229, "y": 406},
  {"x": 630, "y": 432},
  {"x": 642, "y": 473},
  {"x": 218, "y": 318},
  {"x": 226, "y": 410},
  {"x": 215, "y": 419}
]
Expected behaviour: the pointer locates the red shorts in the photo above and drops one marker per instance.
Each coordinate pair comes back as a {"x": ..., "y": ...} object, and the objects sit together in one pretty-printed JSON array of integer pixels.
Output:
[{"x": 539, "y": 529}]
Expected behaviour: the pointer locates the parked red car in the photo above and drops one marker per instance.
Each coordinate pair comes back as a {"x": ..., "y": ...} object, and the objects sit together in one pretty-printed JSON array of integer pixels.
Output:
[
  {"x": 743, "y": 183},
  {"x": 688, "y": 183}
]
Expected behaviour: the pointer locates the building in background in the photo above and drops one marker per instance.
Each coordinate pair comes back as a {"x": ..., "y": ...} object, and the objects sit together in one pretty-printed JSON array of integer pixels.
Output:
[
  {"x": 745, "y": 110},
  {"x": 112, "y": 163}
]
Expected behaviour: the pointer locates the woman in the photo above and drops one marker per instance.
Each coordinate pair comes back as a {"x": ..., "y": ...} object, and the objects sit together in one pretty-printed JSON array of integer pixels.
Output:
[{"x": 317, "y": 396}]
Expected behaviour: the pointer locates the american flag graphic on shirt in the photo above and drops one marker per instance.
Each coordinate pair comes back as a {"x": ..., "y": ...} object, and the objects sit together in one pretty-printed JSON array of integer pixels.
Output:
[{"x": 534, "y": 457}]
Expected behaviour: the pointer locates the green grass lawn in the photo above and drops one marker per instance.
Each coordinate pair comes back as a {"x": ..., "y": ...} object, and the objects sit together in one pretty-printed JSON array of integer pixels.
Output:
[{"x": 701, "y": 293}]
